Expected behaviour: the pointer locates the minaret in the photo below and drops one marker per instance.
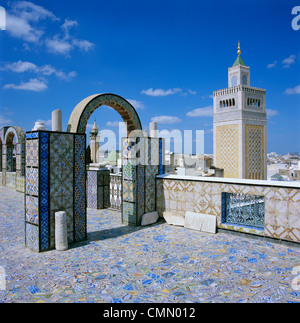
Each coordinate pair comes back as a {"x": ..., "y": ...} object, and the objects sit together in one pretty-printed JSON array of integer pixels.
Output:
[
  {"x": 94, "y": 140},
  {"x": 240, "y": 125}
]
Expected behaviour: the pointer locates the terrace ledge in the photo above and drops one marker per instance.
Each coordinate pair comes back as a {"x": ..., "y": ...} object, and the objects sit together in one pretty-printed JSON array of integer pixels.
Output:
[{"x": 230, "y": 181}]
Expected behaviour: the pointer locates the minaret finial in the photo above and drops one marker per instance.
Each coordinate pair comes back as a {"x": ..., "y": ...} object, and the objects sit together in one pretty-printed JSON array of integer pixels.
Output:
[{"x": 239, "y": 49}]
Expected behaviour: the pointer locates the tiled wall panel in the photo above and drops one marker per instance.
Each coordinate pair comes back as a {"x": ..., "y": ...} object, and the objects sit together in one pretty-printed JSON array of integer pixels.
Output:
[
  {"x": 282, "y": 217},
  {"x": 142, "y": 161},
  {"x": 55, "y": 181}
]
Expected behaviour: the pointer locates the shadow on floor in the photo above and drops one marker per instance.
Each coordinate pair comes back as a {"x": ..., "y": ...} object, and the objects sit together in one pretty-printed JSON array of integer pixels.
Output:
[{"x": 112, "y": 233}]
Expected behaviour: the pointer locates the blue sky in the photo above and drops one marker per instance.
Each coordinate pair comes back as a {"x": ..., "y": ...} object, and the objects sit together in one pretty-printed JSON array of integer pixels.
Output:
[{"x": 166, "y": 57}]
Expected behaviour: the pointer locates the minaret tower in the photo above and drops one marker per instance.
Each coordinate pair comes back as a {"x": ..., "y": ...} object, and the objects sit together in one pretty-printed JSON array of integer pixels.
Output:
[
  {"x": 94, "y": 139},
  {"x": 240, "y": 126}
]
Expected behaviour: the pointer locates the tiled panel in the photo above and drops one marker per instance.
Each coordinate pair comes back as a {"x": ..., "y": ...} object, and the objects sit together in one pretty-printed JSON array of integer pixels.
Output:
[
  {"x": 281, "y": 204},
  {"x": 129, "y": 150},
  {"x": 92, "y": 190},
  {"x": 154, "y": 152},
  {"x": 32, "y": 210},
  {"x": 98, "y": 185},
  {"x": 44, "y": 191},
  {"x": 129, "y": 191},
  {"x": 140, "y": 192},
  {"x": 150, "y": 174},
  {"x": 61, "y": 167},
  {"x": 9, "y": 159},
  {"x": 129, "y": 213},
  {"x": 80, "y": 189},
  {"x": 32, "y": 237},
  {"x": 129, "y": 170},
  {"x": 116, "y": 191},
  {"x": 3, "y": 158},
  {"x": 32, "y": 150},
  {"x": 20, "y": 186},
  {"x": 32, "y": 181},
  {"x": 161, "y": 159}
]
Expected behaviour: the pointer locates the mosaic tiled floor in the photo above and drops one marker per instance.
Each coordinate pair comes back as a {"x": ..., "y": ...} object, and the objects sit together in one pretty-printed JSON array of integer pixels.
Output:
[{"x": 161, "y": 264}]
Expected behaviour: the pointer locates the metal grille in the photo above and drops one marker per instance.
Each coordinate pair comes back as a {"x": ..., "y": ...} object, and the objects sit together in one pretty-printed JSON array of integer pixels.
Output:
[
  {"x": 115, "y": 192},
  {"x": 243, "y": 209}
]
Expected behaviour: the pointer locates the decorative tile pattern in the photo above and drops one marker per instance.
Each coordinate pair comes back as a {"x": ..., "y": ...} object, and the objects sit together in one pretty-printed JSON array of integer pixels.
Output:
[
  {"x": 150, "y": 174},
  {"x": 129, "y": 170},
  {"x": 140, "y": 192},
  {"x": 129, "y": 150},
  {"x": 116, "y": 191},
  {"x": 32, "y": 181},
  {"x": 255, "y": 156},
  {"x": 92, "y": 188},
  {"x": 32, "y": 237},
  {"x": 44, "y": 193},
  {"x": 161, "y": 159},
  {"x": 20, "y": 186},
  {"x": 32, "y": 149},
  {"x": 227, "y": 150},
  {"x": 32, "y": 210},
  {"x": 129, "y": 191},
  {"x": 61, "y": 168},
  {"x": 261, "y": 210},
  {"x": 98, "y": 189},
  {"x": 129, "y": 214},
  {"x": 9, "y": 159},
  {"x": 116, "y": 102},
  {"x": 62, "y": 175}
]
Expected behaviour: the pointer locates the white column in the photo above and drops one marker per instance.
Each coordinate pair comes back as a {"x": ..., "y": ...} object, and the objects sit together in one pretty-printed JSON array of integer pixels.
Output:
[
  {"x": 153, "y": 129},
  {"x": 61, "y": 232},
  {"x": 57, "y": 120}
]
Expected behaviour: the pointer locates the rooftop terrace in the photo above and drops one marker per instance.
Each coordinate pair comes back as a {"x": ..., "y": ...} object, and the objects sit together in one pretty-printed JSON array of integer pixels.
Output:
[{"x": 159, "y": 263}]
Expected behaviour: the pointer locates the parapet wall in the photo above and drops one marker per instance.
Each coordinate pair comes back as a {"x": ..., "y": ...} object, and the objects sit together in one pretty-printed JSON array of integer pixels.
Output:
[{"x": 265, "y": 208}]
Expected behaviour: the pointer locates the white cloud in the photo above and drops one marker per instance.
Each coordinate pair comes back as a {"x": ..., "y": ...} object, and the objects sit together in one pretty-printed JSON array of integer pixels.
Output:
[
  {"x": 272, "y": 113},
  {"x": 112, "y": 124},
  {"x": 35, "y": 85},
  {"x": 287, "y": 62},
  {"x": 192, "y": 92},
  {"x": 20, "y": 18},
  {"x": 22, "y": 67},
  {"x": 67, "y": 25},
  {"x": 48, "y": 123},
  {"x": 4, "y": 122},
  {"x": 201, "y": 112},
  {"x": 136, "y": 104},
  {"x": 166, "y": 119},
  {"x": 160, "y": 92},
  {"x": 83, "y": 45},
  {"x": 49, "y": 70},
  {"x": 269, "y": 66},
  {"x": 58, "y": 46},
  {"x": 22, "y": 22},
  {"x": 89, "y": 127},
  {"x": 31, "y": 12},
  {"x": 20, "y": 28},
  {"x": 64, "y": 44},
  {"x": 295, "y": 90}
]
